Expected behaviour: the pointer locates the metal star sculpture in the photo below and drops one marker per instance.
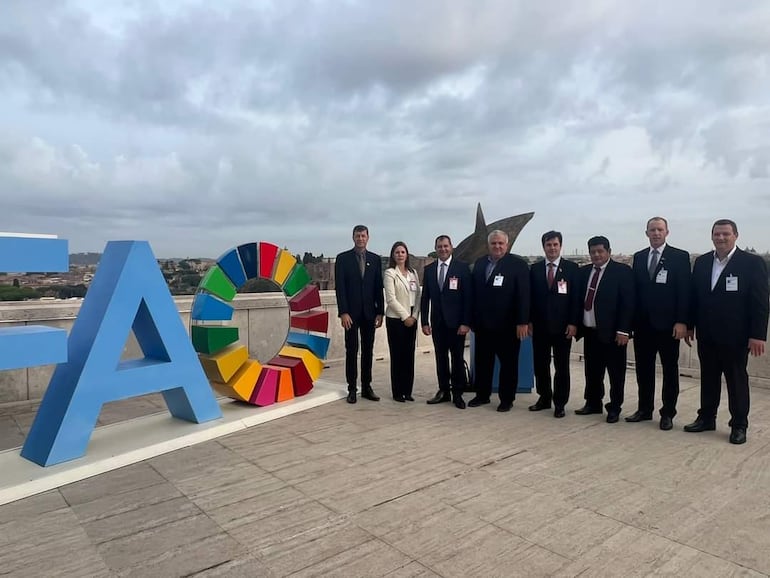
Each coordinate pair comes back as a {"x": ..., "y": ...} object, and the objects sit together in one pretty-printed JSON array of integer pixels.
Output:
[{"x": 475, "y": 245}]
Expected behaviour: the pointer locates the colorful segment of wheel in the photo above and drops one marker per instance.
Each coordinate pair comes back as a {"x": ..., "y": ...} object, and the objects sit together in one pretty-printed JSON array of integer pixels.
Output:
[{"x": 226, "y": 361}]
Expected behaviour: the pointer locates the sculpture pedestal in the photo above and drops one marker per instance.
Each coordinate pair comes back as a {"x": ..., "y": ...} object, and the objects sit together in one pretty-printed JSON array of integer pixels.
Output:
[{"x": 526, "y": 367}]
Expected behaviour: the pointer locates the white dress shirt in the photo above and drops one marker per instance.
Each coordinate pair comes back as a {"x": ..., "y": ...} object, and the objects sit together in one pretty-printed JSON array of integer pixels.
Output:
[
  {"x": 719, "y": 266},
  {"x": 589, "y": 317}
]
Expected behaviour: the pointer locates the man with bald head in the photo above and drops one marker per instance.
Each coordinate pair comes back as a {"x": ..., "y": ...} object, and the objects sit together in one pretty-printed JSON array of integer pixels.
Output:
[{"x": 500, "y": 319}]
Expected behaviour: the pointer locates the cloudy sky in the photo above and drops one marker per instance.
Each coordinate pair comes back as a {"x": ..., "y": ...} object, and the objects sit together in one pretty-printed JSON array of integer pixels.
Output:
[{"x": 201, "y": 125}]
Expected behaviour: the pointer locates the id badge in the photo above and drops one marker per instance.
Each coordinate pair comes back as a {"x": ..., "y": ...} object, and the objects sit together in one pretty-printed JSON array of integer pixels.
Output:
[
  {"x": 413, "y": 285},
  {"x": 662, "y": 276},
  {"x": 561, "y": 287},
  {"x": 497, "y": 281},
  {"x": 731, "y": 283},
  {"x": 453, "y": 283}
]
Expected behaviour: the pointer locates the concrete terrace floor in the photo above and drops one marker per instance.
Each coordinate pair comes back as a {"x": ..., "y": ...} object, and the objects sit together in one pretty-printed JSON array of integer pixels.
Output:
[{"x": 389, "y": 489}]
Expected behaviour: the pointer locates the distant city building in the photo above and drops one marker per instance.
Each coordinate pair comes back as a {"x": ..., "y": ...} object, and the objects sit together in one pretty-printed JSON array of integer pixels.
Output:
[{"x": 322, "y": 274}]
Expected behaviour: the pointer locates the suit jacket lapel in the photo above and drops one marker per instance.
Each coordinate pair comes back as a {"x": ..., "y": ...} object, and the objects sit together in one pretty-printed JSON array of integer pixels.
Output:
[
  {"x": 431, "y": 275},
  {"x": 368, "y": 265},
  {"x": 661, "y": 262},
  {"x": 492, "y": 274},
  {"x": 646, "y": 264},
  {"x": 434, "y": 274},
  {"x": 606, "y": 276},
  {"x": 543, "y": 277},
  {"x": 559, "y": 276},
  {"x": 404, "y": 283},
  {"x": 710, "y": 272},
  {"x": 451, "y": 271},
  {"x": 658, "y": 267},
  {"x": 447, "y": 273}
]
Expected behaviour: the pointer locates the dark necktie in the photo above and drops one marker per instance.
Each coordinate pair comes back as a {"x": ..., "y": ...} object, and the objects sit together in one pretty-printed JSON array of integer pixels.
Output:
[
  {"x": 550, "y": 274},
  {"x": 362, "y": 263},
  {"x": 589, "y": 302},
  {"x": 441, "y": 276},
  {"x": 490, "y": 268},
  {"x": 653, "y": 263}
]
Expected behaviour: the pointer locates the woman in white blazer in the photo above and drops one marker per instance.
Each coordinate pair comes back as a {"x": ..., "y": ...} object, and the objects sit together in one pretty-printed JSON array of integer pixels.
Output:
[{"x": 402, "y": 308}]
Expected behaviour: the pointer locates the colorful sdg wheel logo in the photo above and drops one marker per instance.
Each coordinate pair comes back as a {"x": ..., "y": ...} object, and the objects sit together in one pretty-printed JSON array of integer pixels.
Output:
[{"x": 226, "y": 361}]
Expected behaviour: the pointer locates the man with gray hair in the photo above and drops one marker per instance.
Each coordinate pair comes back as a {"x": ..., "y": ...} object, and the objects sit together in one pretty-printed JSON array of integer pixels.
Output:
[{"x": 500, "y": 319}]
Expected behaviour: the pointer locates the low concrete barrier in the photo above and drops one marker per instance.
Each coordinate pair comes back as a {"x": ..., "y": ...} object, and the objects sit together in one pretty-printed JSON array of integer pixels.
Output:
[
  {"x": 262, "y": 320},
  {"x": 689, "y": 364}
]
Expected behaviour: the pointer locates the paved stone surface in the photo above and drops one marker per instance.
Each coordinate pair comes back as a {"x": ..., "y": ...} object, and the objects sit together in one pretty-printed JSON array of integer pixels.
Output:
[
  {"x": 16, "y": 419},
  {"x": 408, "y": 490}
]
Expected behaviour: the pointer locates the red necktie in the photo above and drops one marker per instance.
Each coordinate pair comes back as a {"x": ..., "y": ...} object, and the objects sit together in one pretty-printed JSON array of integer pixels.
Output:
[
  {"x": 550, "y": 274},
  {"x": 589, "y": 302}
]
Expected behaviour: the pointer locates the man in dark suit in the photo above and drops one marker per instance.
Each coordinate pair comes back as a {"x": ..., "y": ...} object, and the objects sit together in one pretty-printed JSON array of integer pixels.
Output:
[
  {"x": 553, "y": 317},
  {"x": 446, "y": 293},
  {"x": 608, "y": 310},
  {"x": 500, "y": 319},
  {"x": 360, "y": 304},
  {"x": 729, "y": 315},
  {"x": 662, "y": 287}
]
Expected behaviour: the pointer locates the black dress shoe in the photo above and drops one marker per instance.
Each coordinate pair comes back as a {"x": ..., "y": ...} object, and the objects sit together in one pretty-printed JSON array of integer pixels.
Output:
[
  {"x": 700, "y": 425},
  {"x": 638, "y": 416},
  {"x": 588, "y": 410},
  {"x": 612, "y": 417},
  {"x": 459, "y": 403},
  {"x": 477, "y": 401},
  {"x": 558, "y": 412},
  {"x": 408, "y": 398},
  {"x": 539, "y": 406},
  {"x": 440, "y": 397},
  {"x": 504, "y": 407},
  {"x": 666, "y": 422},
  {"x": 368, "y": 393},
  {"x": 738, "y": 435},
  {"x": 351, "y": 397},
  {"x": 399, "y": 398}
]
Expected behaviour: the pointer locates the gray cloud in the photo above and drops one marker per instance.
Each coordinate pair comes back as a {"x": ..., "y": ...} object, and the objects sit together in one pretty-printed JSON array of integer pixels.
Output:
[{"x": 201, "y": 126}]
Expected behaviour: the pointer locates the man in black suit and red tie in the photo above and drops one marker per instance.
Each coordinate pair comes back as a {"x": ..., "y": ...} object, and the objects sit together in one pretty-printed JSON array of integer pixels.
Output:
[
  {"x": 608, "y": 311},
  {"x": 553, "y": 317},
  {"x": 360, "y": 304},
  {"x": 500, "y": 319},
  {"x": 447, "y": 294},
  {"x": 729, "y": 316},
  {"x": 662, "y": 283}
]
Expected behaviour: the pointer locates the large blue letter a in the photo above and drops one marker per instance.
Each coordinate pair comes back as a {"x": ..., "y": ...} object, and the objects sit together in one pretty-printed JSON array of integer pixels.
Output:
[{"x": 128, "y": 291}]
